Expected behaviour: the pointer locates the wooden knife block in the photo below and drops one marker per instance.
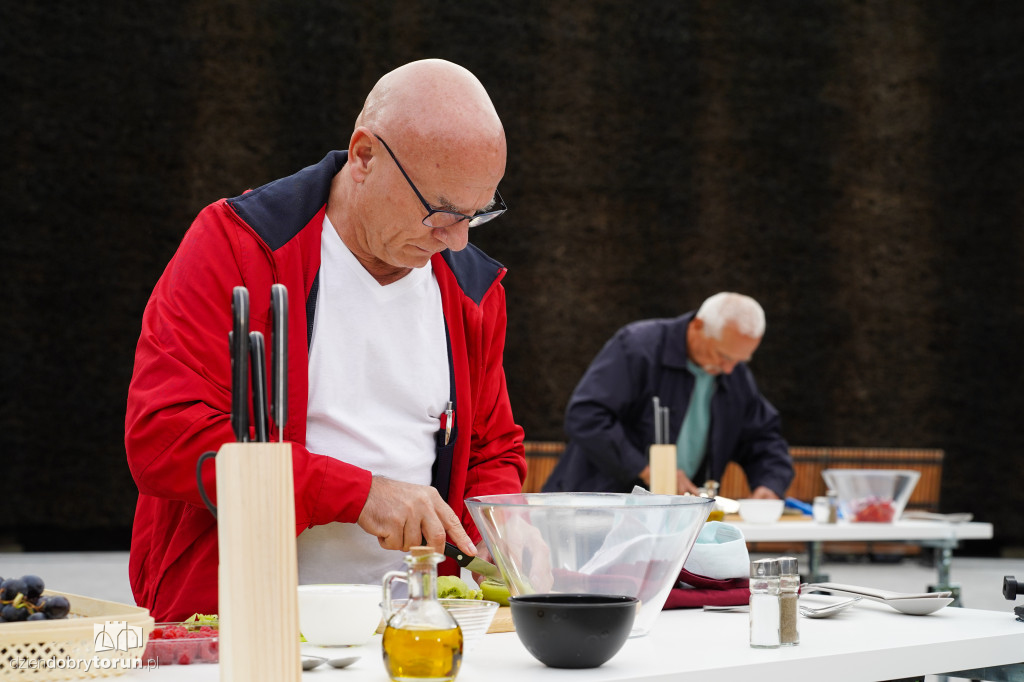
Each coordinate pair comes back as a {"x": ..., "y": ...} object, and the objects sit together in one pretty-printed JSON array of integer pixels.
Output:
[
  {"x": 258, "y": 573},
  {"x": 663, "y": 469}
]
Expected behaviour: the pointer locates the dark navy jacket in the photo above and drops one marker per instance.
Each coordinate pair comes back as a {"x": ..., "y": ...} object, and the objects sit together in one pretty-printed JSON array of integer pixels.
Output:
[{"x": 610, "y": 425}]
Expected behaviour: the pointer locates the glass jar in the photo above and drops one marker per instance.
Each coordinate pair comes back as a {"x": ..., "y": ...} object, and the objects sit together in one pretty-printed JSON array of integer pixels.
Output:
[
  {"x": 821, "y": 509},
  {"x": 764, "y": 604},
  {"x": 421, "y": 640},
  {"x": 833, "y": 506},
  {"x": 789, "y": 589},
  {"x": 710, "y": 490}
]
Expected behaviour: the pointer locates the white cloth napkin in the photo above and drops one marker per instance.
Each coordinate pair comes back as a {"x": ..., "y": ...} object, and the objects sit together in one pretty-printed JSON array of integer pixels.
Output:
[{"x": 720, "y": 552}]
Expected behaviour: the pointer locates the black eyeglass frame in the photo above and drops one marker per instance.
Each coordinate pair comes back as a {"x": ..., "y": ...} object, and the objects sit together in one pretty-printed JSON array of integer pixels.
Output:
[{"x": 474, "y": 220}]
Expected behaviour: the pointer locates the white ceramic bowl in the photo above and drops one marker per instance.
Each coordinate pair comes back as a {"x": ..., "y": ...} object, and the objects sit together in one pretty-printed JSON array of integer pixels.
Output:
[
  {"x": 761, "y": 511},
  {"x": 339, "y": 615}
]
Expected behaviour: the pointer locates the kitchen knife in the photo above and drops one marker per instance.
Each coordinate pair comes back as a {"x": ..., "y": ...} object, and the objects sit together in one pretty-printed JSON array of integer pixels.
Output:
[
  {"x": 279, "y": 358},
  {"x": 239, "y": 343},
  {"x": 257, "y": 348},
  {"x": 473, "y": 563},
  {"x": 657, "y": 421}
]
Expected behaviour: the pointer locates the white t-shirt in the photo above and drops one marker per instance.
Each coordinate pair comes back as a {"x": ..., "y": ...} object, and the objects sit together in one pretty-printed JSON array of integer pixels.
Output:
[{"x": 378, "y": 383}]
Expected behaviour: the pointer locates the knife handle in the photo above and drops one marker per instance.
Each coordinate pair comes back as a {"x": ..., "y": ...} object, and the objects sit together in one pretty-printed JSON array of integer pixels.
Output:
[
  {"x": 257, "y": 348},
  {"x": 461, "y": 558},
  {"x": 239, "y": 342},
  {"x": 279, "y": 358}
]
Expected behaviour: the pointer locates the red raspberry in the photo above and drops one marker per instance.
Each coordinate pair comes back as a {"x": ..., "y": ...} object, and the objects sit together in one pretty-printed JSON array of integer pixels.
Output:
[{"x": 208, "y": 651}]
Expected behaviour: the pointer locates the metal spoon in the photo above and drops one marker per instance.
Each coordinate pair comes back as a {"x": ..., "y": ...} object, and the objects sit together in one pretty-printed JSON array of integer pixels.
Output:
[
  {"x": 343, "y": 662},
  {"x": 310, "y": 662}
]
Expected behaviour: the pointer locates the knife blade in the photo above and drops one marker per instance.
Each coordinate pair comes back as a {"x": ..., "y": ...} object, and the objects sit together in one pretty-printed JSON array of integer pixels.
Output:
[
  {"x": 279, "y": 358},
  {"x": 474, "y": 564},
  {"x": 657, "y": 420},
  {"x": 239, "y": 343},
  {"x": 257, "y": 349}
]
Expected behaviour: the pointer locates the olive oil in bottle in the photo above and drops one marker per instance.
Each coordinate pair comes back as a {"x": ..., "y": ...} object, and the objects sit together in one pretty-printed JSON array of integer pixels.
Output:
[
  {"x": 422, "y": 642},
  {"x": 415, "y": 654}
]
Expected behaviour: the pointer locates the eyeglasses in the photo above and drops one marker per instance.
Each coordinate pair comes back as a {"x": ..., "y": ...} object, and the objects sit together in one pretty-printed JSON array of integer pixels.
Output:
[{"x": 441, "y": 217}]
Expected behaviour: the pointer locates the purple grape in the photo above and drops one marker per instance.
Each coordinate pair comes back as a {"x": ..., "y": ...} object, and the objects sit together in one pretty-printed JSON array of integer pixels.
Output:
[
  {"x": 13, "y": 614},
  {"x": 11, "y": 588},
  {"x": 55, "y": 606},
  {"x": 34, "y": 586}
]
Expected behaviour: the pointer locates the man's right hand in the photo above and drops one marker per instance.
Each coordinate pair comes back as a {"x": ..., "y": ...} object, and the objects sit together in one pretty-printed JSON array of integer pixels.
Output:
[
  {"x": 684, "y": 484},
  {"x": 404, "y": 515}
]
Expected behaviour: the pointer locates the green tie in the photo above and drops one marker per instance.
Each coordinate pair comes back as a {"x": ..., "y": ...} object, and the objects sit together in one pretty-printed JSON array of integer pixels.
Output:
[{"x": 693, "y": 435}]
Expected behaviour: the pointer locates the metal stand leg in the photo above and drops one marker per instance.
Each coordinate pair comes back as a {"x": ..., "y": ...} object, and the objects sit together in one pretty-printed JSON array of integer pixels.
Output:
[
  {"x": 814, "y": 559},
  {"x": 943, "y": 562}
]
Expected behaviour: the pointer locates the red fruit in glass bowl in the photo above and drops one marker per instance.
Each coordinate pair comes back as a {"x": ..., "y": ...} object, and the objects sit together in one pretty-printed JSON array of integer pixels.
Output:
[{"x": 875, "y": 511}]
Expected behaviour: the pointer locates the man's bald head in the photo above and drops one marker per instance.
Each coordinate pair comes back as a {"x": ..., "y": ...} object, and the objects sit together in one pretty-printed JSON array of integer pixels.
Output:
[
  {"x": 437, "y": 118},
  {"x": 432, "y": 102}
]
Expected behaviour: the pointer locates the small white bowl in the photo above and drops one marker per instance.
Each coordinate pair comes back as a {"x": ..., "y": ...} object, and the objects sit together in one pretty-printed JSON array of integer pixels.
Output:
[
  {"x": 339, "y": 615},
  {"x": 761, "y": 511}
]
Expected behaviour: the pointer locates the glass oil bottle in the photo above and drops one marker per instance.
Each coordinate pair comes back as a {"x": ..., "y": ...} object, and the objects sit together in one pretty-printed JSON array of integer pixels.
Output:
[{"x": 422, "y": 642}]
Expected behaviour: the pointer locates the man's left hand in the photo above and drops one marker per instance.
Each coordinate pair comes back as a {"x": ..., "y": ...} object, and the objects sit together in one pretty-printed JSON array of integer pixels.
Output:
[{"x": 763, "y": 493}]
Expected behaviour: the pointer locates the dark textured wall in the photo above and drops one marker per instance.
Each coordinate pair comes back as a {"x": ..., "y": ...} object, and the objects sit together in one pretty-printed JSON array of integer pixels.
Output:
[{"x": 854, "y": 165}]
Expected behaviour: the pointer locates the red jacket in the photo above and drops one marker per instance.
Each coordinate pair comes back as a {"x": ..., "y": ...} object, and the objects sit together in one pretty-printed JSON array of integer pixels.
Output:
[{"x": 179, "y": 400}]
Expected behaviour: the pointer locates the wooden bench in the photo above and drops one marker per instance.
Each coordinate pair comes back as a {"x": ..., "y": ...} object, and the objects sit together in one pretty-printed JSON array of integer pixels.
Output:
[{"x": 808, "y": 463}]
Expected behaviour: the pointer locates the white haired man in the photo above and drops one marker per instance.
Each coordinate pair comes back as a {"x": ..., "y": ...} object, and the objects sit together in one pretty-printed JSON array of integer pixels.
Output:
[{"x": 696, "y": 365}]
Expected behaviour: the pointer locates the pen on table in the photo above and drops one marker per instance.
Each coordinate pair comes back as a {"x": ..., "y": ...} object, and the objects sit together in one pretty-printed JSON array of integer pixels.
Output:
[{"x": 449, "y": 417}]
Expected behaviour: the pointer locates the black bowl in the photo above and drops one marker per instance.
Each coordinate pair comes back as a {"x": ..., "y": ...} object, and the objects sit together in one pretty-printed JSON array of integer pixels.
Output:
[{"x": 573, "y": 630}]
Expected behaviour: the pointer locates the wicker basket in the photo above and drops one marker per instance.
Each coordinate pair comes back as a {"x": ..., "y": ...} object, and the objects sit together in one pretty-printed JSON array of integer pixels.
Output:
[{"x": 99, "y": 639}]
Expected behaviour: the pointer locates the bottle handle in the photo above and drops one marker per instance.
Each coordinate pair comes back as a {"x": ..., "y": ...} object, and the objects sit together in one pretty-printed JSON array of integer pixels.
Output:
[
  {"x": 199, "y": 481},
  {"x": 389, "y": 578}
]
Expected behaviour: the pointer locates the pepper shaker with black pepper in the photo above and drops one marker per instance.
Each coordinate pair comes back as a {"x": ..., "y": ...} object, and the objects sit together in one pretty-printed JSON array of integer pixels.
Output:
[
  {"x": 833, "y": 506},
  {"x": 789, "y": 587}
]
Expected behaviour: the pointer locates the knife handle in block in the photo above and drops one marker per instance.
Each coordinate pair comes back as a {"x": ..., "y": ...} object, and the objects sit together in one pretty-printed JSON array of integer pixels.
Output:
[{"x": 663, "y": 469}]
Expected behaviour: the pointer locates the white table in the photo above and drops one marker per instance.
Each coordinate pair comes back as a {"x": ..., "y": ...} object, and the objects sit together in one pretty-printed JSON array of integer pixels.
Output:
[
  {"x": 867, "y": 642},
  {"x": 939, "y": 534}
]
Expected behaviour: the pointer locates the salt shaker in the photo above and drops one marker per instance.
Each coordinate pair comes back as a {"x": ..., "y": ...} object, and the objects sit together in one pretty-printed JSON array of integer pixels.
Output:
[
  {"x": 765, "y": 619},
  {"x": 821, "y": 509},
  {"x": 789, "y": 586}
]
